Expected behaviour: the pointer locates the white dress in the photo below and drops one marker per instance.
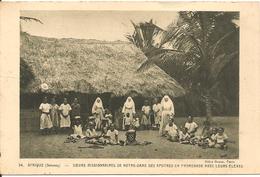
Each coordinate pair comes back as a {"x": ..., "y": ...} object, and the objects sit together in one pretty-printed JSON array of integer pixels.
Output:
[
  {"x": 65, "y": 117},
  {"x": 45, "y": 120}
]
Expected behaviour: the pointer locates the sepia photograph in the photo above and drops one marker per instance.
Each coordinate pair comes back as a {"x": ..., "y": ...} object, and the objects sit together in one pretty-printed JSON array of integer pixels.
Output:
[{"x": 129, "y": 84}]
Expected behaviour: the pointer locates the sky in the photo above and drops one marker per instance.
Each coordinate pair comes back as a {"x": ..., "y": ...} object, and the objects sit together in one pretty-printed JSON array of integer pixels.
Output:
[{"x": 100, "y": 25}]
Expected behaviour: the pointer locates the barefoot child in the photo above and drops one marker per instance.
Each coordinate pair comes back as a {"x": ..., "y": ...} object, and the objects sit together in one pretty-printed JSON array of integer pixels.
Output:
[
  {"x": 127, "y": 121},
  {"x": 77, "y": 129},
  {"x": 171, "y": 131},
  {"x": 221, "y": 139},
  {"x": 65, "y": 115},
  {"x": 54, "y": 114},
  {"x": 91, "y": 135},
  {"x": 112, "y": 133},
  {"x": 184, "y": 137},
  {"x": 146, "y": 109},
  {"x": 191, "y": 126},
  {"x": 45, "y": 120},
  {"x": 104, "y": 138}
]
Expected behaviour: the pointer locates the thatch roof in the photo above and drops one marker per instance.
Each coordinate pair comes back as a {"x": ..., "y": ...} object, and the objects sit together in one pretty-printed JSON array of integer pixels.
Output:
[{"x": 91, "y": 66}]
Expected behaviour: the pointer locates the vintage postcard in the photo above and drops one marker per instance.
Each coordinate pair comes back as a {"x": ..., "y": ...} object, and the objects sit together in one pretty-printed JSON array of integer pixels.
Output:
[{"x": 129, "y": 88}]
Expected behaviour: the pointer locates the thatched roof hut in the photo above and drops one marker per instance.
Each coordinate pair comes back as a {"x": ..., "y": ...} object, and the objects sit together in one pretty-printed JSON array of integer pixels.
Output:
[{"x": 91, "y": 66}]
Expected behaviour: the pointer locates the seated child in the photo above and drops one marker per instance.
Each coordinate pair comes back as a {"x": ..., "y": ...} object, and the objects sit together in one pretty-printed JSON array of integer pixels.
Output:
[
  {"x": 91, "y": 135},
  {"x": 184, "y": 136},
  {"x": 127, "y": 121},
  {"x": 112, "y": 135},
  {"x": 77, "y": 129},
  {"x": 130, "y": 136},
  {"x": 221, "y": 139},
  {"x": 191, "y": 126},
  {"x": 211, "y": 141},
  {"x": 205, "y": 135},
  {"x": 171, "y": 131},
  {"x": 103, "y": 138}
]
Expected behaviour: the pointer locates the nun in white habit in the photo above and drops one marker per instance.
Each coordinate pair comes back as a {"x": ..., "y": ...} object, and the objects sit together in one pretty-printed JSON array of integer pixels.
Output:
[
  {"x": 129, "y": 107},
  {"x": 98, "y": 112},
  {"x": 167, "y": 110}
]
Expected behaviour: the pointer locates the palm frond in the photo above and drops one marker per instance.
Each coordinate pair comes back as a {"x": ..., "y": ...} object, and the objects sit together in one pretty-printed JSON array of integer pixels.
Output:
[
  {"x": 219, "y": 63},
  {"x": 30, "y": 19}
]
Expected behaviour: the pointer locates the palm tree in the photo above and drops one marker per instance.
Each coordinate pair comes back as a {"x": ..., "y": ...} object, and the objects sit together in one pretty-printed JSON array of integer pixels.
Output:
[{"x": 200, "y": 38}]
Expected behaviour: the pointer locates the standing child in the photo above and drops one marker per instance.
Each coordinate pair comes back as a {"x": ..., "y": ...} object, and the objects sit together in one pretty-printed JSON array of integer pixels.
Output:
[
  {"x": 145, "y": 122},
  {"x": 221, "y": 139},
  {"x": 157, "y": 112},
  {"x": 136, "y": 123},
  {"x": 112, "y": 133},
  {"x": 127, "y": 121},
  {"x": 75, "y": 111},
  {"x": 191, "y": 126},
  {"x": 65, "y": 115},
  {"x": 45, "y": 120},
  {"x": 107, "y": 119},
  {"x": 171, "y": 131},
  {"x": 54, "y": 114}
]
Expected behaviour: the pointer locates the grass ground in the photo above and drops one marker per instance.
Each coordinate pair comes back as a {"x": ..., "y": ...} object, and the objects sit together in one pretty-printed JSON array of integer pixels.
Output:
[{"x": 33, "y": 145}]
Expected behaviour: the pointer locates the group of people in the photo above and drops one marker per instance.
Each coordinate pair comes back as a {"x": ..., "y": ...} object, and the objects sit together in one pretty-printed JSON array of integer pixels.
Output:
[
  {"x": 159, "y": 115},
  {"x": 210, "y": 137}
]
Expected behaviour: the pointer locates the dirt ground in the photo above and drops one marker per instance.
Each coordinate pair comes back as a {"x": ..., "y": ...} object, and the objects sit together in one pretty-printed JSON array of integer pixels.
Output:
[{"x": 34, "y": 145}]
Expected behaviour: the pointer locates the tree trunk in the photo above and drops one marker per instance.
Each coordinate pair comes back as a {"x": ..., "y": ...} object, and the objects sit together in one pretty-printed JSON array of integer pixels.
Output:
[{"x": 208, "y": 106}]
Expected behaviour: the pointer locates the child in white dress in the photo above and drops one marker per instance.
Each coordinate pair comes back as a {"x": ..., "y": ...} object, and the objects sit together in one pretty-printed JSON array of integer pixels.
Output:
[
  {"x": 45, "y": 120},
  {"x": 65, "y": 115}
]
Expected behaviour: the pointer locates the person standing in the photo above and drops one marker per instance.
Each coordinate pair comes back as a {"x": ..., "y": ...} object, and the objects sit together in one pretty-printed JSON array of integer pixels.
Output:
[
  {"x": 157, "y": 112},
  {"x": 98, "y": 112},
  {"x": 167, "y": 108},
  {"x": 129, "y": 107},
  {"x": 145, "y": 121},
  {"x": 54, "y": 114},
  {"x": 75, "y": 111},
  {"x": 45, "y": 120},
  {"x": 65, "y": 115}
]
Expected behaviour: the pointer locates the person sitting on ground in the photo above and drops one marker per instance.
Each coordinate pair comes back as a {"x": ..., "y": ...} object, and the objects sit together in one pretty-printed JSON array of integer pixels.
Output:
[
  {"x": 77, "y": 129},
  {"x": 211, "y": 139},
  {"x": 205, "y": 135},
  {"x": 112, "y": 134},
  {"x": 91, "y": 135},
  {"x": 171, "y": 131},
  {"x": 127, "y": 121},
  {"x": 104, "y": 138},
  {"x": 191, "y": 126},
  {"x": 184, "y": 136},
  {"x": 221, "y": 139}
]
